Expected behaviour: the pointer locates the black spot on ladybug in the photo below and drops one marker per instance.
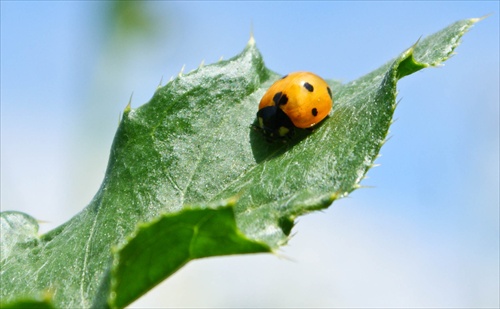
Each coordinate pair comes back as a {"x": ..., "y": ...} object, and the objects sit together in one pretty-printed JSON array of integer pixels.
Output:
[
  {"x": 283, "y": 100},
  {"x": 280, "y": 98},
  {"x": 308, "y": 86},
  {"x": 314, "y": 112},
  {"x": 277, "y": 98},
  {"x": 329, "y": 92}
]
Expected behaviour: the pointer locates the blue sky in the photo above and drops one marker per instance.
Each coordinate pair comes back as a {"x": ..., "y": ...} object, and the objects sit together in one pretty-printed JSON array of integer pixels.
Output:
[{"x": 425, "y": 234}]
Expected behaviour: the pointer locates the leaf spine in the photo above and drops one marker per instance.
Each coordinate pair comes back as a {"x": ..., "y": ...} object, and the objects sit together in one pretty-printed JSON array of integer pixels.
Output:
[
  {"x": 251, "y": 41},
  {"x": 182, "y": 70}
]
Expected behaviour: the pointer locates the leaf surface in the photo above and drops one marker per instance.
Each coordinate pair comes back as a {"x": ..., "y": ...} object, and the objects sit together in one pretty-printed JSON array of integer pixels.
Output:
[{"x": 189, "y": 178}]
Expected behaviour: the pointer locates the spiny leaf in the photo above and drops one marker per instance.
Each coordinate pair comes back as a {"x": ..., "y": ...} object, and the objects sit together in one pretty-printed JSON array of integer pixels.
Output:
[{"x": 190, "y": 167}]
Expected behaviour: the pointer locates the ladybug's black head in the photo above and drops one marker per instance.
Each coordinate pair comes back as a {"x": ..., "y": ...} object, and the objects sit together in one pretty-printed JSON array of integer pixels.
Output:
[{"x": 274, "y": 123}]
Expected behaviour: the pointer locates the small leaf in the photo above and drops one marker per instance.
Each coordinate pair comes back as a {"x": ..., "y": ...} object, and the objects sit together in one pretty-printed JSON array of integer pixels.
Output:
[
  {"x": 192, "y": 144},
  {"x": 165, "y": 244}
]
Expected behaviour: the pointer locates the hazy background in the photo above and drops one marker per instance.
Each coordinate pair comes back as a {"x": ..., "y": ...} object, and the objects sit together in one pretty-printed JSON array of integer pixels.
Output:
[{"x": 426, "y": 234}]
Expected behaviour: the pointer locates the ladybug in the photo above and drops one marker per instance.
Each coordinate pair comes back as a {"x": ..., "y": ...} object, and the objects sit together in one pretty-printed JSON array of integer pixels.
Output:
[{"x": 297, "y": 100}]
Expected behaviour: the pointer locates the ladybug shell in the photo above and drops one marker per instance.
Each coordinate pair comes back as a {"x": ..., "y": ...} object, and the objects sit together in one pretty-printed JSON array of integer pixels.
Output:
[{"x": 303, "y": 96}]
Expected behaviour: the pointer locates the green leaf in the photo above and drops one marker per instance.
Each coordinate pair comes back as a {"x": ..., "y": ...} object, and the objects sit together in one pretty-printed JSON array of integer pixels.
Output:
[
  {"x": 203, "y": 183},
  {"x": 167, "y": 243}
]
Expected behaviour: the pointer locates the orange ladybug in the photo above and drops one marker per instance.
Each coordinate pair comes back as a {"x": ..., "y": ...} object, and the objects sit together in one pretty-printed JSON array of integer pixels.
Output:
[{"x": 297, "y": 100}]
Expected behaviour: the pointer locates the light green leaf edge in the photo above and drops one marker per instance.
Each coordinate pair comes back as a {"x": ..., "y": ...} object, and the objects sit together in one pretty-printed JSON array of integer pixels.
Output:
[{"x": 33, "y": 250}]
